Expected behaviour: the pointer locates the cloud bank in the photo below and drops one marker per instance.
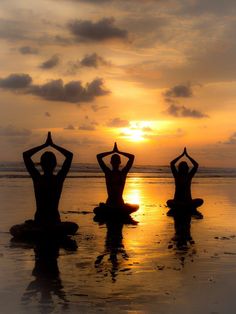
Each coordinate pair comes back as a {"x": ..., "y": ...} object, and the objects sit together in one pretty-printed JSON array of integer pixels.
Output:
[
  {"x": 56, "y": 90},
  {"x": 16, "y": 81},
  {"x": 101, "y": 30},
  {"x": 177, "y": 110}
]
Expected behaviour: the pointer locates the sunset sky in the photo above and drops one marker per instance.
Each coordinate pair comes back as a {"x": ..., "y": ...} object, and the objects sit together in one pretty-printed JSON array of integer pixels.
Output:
[{"x": 153, "y": 75}]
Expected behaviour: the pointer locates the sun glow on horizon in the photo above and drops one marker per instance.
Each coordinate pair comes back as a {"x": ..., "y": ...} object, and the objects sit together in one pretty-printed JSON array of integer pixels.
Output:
[
  {"x": 133, "y": 135},
  {"x": 141, "y": 131}
]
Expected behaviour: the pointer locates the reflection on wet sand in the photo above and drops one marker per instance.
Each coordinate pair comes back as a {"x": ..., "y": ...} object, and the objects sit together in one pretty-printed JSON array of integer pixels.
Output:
[
  {"x": 114, "y": 249},
  {"x": 182, "y": 242},
  {"x": 182, "y": 225},
  {"x": 47, "y": 283},
  {"x": 172, "y": 280}
]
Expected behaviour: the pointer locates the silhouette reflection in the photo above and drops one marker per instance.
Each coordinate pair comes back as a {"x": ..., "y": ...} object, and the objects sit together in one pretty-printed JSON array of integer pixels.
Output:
[
  {"x": 182, "y": 225},
  {"x": 114, "y": 248},
  {"x": 47, "y": 283},
  {"x": 182, "y": 243}
]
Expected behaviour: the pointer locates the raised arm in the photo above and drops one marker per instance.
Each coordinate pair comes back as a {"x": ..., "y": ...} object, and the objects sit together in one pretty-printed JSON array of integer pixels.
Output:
[
  {"x": 130, "y": 157},
  {"x": 173, "y": 163},
  {"x": 194, "y": 163},
  {"x": 30, "y": 166},
  {"x": 101, "y": 162},
  {"x": 68, "y": 156}
]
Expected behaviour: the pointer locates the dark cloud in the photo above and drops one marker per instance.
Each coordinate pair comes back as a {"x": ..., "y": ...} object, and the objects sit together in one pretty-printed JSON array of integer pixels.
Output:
[
  {"x": 179, "y": 91},
  {"x": 181, "y": 111},
  {"x": 93, "y": 60},
  {"x": 102, "y": 30},
  {"x": 176, "y": 110},
  {"x": 50, "y": 63},
  {"x": 27, "y": 50},
  {"x": 73, "y": 91},
  {"x": 118, "y": 123},
  {"x": 56, "y": 90},
  {"x": 231, "y": 140},
  {"x": 11, "y": 130},
  {"x": 16, "y": 81}
]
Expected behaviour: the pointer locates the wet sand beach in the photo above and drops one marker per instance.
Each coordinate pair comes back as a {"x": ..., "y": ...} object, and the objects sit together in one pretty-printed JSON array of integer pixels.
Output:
[{"x": 122, "y": 268}]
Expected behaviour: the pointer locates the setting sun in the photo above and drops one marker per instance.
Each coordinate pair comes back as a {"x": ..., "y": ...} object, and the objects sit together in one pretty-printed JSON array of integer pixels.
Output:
[
  {"x": 133, "y": 135},
  {"x": 140, "y": 131}
]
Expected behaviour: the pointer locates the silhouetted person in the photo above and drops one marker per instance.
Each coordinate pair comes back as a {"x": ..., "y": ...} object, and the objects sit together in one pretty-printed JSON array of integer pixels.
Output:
[
  {"x": 183, "y": 179},
  {"x": 47, "y": 188},
  {"x": 115, "y": 178}
]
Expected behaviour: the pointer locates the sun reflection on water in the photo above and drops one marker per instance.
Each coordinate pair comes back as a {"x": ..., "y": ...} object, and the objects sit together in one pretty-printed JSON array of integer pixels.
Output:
[{"x": 133, "y": 197}]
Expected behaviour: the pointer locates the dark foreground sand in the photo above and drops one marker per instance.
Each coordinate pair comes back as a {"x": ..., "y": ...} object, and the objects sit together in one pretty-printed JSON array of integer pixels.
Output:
[{"x": 138, "y": 270}]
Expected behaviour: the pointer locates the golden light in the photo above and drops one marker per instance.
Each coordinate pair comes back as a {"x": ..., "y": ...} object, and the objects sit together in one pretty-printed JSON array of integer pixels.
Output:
[
  {"x": 140, "y": 131},
  {"x": 133, "y": 197},
  {"x": 133, "y": 135},
  {"x": 137, "y": 131}
]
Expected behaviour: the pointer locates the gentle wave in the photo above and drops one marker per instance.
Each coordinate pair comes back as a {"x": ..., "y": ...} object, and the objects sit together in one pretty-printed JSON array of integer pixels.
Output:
[{"x": 17, "y": 170}]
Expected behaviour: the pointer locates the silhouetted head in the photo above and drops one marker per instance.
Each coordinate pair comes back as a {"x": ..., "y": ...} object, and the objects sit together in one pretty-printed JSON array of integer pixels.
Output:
[
  {"x": 183, "y": 167},
  {"x": 48, "y": 162},
  {"x": 115, "y": 161}
]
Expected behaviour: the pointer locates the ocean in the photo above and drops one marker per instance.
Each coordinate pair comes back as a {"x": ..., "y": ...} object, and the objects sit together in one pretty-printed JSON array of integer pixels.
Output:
[
  {"x": 78, "y": 170},
  {"x": 123, "y": 268}
]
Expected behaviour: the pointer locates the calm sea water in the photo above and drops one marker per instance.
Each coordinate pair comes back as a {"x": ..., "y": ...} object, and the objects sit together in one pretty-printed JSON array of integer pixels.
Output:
[
  {"x": 121, "y": 269},
  {"x": 17, "y": 170}
]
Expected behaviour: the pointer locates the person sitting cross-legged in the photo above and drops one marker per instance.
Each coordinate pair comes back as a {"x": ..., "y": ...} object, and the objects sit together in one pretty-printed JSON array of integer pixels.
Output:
[
  {"x": 183, "y": 179},
  {"x": 47, "y": 189},
  {"x": 115, "y": 181}
]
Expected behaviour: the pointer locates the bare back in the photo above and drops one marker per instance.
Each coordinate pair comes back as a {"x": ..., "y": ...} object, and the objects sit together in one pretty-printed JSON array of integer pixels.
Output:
[
  {"x": 115, "y": 178},
  {"x": 47, "y": 186},
  {"x": 115, "y": 183},
  {"x": 183, "y": 187},
  {"x": 47, "y": 194}
]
